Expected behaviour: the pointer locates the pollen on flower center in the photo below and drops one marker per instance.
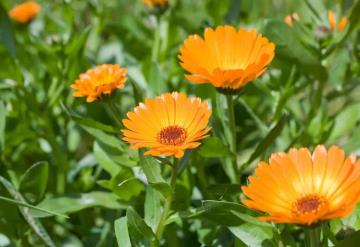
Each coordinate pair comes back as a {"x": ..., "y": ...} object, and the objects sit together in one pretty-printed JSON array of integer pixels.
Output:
[
  {"x": 308, "y": 204},
  {"x": 172, "y": 135}
]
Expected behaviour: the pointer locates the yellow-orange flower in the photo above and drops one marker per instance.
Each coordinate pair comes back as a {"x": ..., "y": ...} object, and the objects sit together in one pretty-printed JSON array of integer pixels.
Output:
[
  {"x": 24, "y": 12},
  {"x": 167, "y": 125},
  {"x": 289, "y": 18},
  {"x": 333, "y": 23},
  {"x": 156, "y": 3},
  {"x": 227, "y": 58},
  {"x": 297, "y": 187},
  {"x": 342, "y": 24},
  {"x": 103, "y": 79}
]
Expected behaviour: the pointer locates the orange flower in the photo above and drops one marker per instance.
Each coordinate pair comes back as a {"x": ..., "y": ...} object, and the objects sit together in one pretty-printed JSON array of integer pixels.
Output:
[
  {"x": 103, "y": 79},
  {"x": 289, "y": 18},
  {"x": 342, "y": 23},
  {"x": 333, "y": 22},
  {"x": 303, "y": 189},
  {"x": 167, "y": 125},
  {"x": 24, "y": 12},
  {"x": 156, "y": 3},
  {"x": 226, "y": 58}
]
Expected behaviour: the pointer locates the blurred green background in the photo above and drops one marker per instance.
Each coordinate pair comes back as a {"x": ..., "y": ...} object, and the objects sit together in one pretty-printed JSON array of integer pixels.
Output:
[{"x": 65, "y": 155}]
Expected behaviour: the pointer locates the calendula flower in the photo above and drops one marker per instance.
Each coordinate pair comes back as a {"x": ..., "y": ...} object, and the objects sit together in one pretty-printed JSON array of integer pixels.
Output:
[
  {"x": 227, "y": 58},
  {"x": 156, "y": 3},
  {"x": 333, "y": 23},
  {"x": 24, "y": 12},
  {"x": 167, "y": 125},
  {"x": 289, "y": 19},
  {"x": 102, "y": 80},
  {"x": 297, "y": 187}
]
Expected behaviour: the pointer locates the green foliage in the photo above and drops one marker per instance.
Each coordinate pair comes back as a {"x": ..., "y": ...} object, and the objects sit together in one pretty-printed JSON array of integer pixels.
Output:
[{"x": 68, "y": 179}]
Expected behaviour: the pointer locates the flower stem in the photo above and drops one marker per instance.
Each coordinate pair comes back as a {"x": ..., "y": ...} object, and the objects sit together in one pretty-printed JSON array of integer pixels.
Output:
[
  {"x": 115, "y": 113},
  {"x": 165, "y": 213},
  {"x": 232, "y": 141},
  {"x": 156, "y": 44},
  {"x": 312, "y": 236}
]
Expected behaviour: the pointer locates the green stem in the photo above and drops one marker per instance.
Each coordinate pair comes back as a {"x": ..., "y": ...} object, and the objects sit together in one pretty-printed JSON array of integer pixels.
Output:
[
  {"x": 312, "y": 236},
  {"x": 162, "y": 223},
  {"x": 232, "y": 141},
  {"x": 156, "y": 44},
  {"x": 115, "y": 113}
]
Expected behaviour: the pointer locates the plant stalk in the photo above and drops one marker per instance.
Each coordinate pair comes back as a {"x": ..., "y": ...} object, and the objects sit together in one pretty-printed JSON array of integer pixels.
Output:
[
  {"x": 312, "y": 236},
  {"x": 232, "y": 141},
  {"x": 156, "y": 46},
  {"x": 167, "y": 206},
  {"x": 115, "y": 112}
]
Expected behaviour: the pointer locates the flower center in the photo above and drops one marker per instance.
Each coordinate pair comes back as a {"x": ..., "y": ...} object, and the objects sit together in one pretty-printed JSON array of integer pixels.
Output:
[
  {"x": 172, "y": 135},
  {"x": 308, "y": 204}
]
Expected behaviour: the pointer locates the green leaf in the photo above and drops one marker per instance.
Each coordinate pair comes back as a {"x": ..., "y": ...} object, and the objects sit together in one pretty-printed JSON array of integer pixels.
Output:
[
  {"x": 121, "y": 232},
  {"x": 316, "y": 7},
  {"x": 34, "y": 223},
  {"x": 67, "y": 204},
  {"x": 104, "y": 160},
  {"x": 353, "y": 143},
  {"x": 338, "y": 65},
  {"x": 252, "y": 235},
  {"x": 77, "y": 42},
  {"x": 153, "y": 76},
  {"x": 152, "y": 208},
  {"x": 218, "y": 211},
  {"x": 352, "y": 240},
  {"x": 267, "y": 141},
  {"x": 140, "y": 233},
  {"x": 6, "y": 32},
  {"x": 213, "y": 147},
  {"x": 24, "y": 204},
  {"x": 34, "y": 182},
  {"x": 163, "y": 188},
  {"x": 97, "y": 130},
  {"x": 124, "y": 184},
  {"x": 105, "y": 138},
  {"x": 345, "y": 121},
  {"x": 291, "y": 48},
  {"x": 250, "y": 219},
  {"x": 209, "y": 205},
  {"x": 2, "y": 125},
  {"x": 224, "y": 189},
  {"x": 354, "y": 18},
  {"x": 152, "y": 171},
  {"x": 87, "y": 122},
  {"x": 129, "y": 188}
]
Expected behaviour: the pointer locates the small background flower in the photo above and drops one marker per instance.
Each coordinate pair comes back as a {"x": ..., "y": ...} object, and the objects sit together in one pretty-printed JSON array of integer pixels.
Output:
[
  {"x": 102, "y": 80},
  {"x": 156, "y": 3},
  {"x": 25, "y": 12},
  {"x": 333, "y": 22}
]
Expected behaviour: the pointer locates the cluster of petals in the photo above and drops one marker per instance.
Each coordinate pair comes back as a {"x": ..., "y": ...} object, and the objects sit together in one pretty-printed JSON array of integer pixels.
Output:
[
  {"x": 101, "y": 80},
  {"x": 333, "y": 26},
  {"x": 25, "y": 12},
  {"x": 156, "y": 3},
  {"x": 333, "y": 22},
  {"x": 168, "y": 124},
  {"x": 297, "y": 187},
  {"x": 227, "y": 58},
  {"x": 290, "y": 18}
]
